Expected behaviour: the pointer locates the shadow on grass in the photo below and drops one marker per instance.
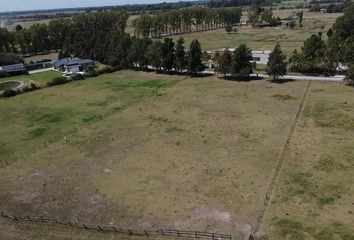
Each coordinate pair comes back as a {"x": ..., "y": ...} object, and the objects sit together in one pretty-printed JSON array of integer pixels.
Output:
[
  {"x": 281, "y": 81},
  {"x": 242, "y": 78}
]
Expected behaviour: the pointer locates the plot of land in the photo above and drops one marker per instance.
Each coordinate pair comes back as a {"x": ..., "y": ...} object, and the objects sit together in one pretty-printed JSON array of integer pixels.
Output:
[
  {"x": 314, "y": 195},
  {"x": 146, "y": 151},
  {"x": 266, "y": 38}
]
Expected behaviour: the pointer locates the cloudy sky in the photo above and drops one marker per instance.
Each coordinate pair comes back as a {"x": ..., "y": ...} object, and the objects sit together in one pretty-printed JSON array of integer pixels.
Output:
[{"x": 16, "y": 5}]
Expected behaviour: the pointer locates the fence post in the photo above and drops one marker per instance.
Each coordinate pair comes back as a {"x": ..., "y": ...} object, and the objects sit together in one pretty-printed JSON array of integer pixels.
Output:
[
  {"x": 145, "y": 232},
  {"x": 29, "y": 219},
  {"x": 178, "y": 233},
  {"x": 115, "y": 230},
  {"x": 161, "y": 232},
  {"x": 99, "y": 228},
  {"x": 212, "y": 236},
  {"x": 130, "y": 232},
  {"x": 196, "y": 234},
  {"x": 15, "y": 217},
  {"x": 84, "y": 226},
  {"x": 42, "y": 219}
]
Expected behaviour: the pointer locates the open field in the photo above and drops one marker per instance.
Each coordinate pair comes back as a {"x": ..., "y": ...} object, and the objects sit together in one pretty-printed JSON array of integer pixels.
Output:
[
  {"x": 35, "y": 58},
  {"x": 314, "y": 194},
  {"x": 42, "y": 78},
  {"x": 142, "y": 150},
  {"x": 266, "y": 38}
]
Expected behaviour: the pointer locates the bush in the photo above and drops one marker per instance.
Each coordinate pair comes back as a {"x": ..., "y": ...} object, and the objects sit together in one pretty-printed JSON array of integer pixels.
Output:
[
  {"x": 9, "y": 93},
  {"x": 31, "y": 86},
  {"x": 58, "y": 81},
  {"x": 78, "y": 76},
  {"x": 3, "y": 74}
]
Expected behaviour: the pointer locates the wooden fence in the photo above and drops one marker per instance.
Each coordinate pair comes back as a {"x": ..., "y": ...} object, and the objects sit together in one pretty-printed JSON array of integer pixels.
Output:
[{"x": 112, "y": 229}]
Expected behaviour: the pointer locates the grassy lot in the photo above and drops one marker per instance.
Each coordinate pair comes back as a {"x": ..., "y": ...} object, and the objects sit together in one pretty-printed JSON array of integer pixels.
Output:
[
  {"x": 35, "y": 58},
  {"x": 42, "y": 78},
  {"x": 266, "y": 38},
  {"x": 142, "y": 150},
  {"x": 314, "y": 194}
]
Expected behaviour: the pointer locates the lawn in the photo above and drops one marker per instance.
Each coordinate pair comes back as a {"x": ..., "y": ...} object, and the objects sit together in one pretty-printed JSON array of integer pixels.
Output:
[
  {"x": 142, "y": 150},
  {"x": 42, "y": 78}
]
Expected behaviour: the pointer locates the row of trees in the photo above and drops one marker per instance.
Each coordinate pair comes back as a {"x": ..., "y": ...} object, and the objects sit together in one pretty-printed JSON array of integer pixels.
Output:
[
  {"x": 164, "y": 55},
  {"x": 240, "y": 64},
  {"x": 84, "y": 35},
  {"x": 182, "y": 21}
]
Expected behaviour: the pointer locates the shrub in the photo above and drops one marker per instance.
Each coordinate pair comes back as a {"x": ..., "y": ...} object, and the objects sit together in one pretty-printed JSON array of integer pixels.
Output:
[
  {"x": 9, "y": 93},
  {"x": 31, "y": 86},
  {"x": 78, "y": 76},
  {"x": 3, "y": 74},
  {"x": 58, "y": 81}
]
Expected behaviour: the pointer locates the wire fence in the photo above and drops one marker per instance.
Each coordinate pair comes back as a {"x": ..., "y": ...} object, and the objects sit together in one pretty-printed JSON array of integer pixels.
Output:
[{"x": 112, "y": 229}]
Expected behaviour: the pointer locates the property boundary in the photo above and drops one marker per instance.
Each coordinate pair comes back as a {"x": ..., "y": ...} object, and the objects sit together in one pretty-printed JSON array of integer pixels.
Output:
[
  {"x": 280, "y": 162},
  {"x": 113, "y": 229}
]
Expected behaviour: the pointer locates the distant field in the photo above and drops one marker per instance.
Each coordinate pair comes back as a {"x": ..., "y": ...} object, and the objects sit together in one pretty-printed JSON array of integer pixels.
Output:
[
  {"x": 42, "y": 78},
  {"x": 266, "y": 38}
]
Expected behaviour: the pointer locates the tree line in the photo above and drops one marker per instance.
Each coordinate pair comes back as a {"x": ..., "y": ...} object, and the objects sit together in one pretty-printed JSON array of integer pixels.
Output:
[
  {"x": 84, "y": 35},
  {"x": 182, "y": 20},
  {"x": 324, "y": 56}
]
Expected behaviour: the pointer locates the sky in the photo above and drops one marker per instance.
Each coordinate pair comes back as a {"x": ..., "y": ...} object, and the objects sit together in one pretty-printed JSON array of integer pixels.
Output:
[{"x": 20, "y": 5}]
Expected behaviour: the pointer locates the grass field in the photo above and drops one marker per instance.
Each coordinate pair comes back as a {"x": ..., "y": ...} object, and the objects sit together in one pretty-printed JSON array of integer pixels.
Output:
[
  {"x": 266, "y": 38},
  {"x": 145, "y": 150},
  {"x": 314, "y": 195},
  {"x": 42, "y": 78}
]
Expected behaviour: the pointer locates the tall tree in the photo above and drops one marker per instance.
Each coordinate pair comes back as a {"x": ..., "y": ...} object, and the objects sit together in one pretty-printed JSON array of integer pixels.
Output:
[
  {"x": 276, "y": 65},
  {"x": 350, "y": 75},
  {"x": 180, "y": 63},
  {"x": 168, "y": 54},
  {"x": 224, "y": 62},
  {"x": 154, "y": 54},
  {"x": 241, "y": 61},
  {"x": 195, "y": 55}
]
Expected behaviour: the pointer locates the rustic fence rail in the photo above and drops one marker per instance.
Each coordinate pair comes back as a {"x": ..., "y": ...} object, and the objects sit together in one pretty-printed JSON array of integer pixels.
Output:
[{"x": 112, "y": 229}]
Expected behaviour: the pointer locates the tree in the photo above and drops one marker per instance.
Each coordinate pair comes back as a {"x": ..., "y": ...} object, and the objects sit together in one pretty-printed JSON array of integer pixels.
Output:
[
  {"x": 334, "y": 51},
  {"x": 241, "y": 61},
  {"x": 228, "y": 29},
  {"x": 235, "y": 30},
  {"x": 195, "y": 55},
  {"x": 314, "y": 48},
  {"x": 64, "y": 54},
  {"x": 344, "y": 24},
  {"x": 168, "y": 54},
  {"x": 137, "y": 52},
  {"x": 350, "y": 75},
  {"x": 180, "y": 63},
  {"x": 154, "y": 54},
  {"x": 224, "y": 63},
  {"x": 276, "y": 65},
  {"x": 300, "y": 16},
  {"x": 9, "y": 58},
  {"x": 18, "y": 28}
]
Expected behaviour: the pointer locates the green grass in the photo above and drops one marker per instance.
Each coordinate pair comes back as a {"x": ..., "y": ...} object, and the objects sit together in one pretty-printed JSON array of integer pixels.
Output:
[{"x": 42, "y": 78}]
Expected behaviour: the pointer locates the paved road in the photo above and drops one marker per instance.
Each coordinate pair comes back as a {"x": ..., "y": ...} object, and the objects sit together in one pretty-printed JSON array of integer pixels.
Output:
[{"x": 336, "y": 78}]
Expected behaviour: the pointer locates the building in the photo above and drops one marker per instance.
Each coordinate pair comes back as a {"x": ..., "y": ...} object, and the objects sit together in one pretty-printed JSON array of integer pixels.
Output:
[
  {"x": 73, "y": 65},
  {"x": 260, "y": 57},
  {"x": 14, "y": 69}
]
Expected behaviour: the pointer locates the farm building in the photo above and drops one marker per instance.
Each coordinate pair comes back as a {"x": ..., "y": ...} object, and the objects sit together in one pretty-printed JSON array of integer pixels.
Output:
[
  {"x": 260, "y": 57},
  {"x": 14, "y": 69},
  {"x": 72, "y": 65}
]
